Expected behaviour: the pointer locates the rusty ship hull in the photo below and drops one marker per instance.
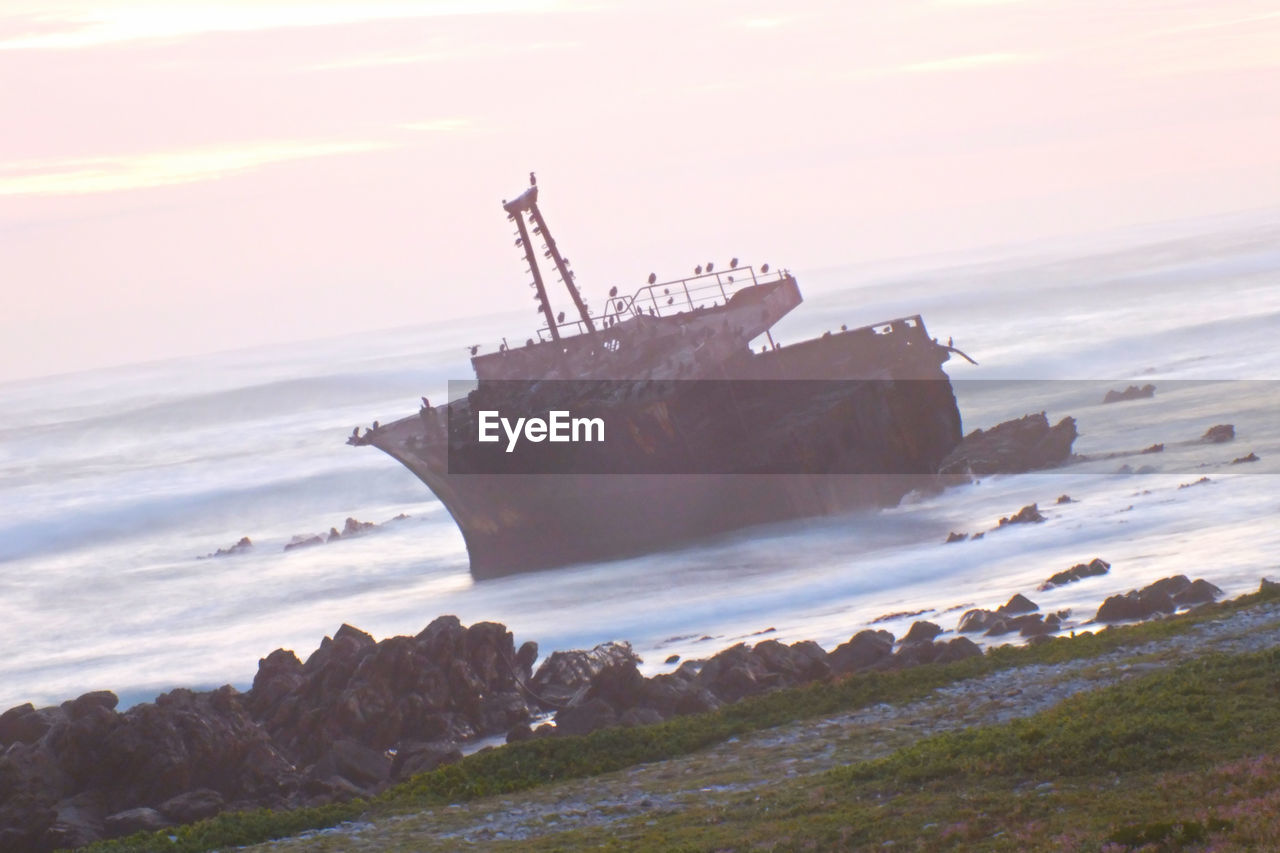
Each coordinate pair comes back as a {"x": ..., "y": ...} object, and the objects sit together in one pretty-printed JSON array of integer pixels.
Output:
[{"x": 864, "y": 417}]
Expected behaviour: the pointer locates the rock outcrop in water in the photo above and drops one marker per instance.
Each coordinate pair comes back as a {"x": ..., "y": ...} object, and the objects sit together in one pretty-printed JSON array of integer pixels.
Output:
[
  {"x": 1133, "y": 392},
  {"x": 1012, "y": 447}
]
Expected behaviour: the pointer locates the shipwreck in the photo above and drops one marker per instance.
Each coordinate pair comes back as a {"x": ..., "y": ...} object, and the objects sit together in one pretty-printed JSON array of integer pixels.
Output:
[{"x": 705, "y": 432}]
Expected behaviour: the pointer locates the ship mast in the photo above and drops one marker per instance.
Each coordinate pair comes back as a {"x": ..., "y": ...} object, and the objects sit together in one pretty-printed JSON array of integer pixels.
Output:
[{"x": 527, "y": 202}]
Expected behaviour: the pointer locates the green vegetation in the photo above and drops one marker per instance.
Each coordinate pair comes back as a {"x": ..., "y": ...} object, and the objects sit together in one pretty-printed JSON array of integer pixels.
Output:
[
  {"x": 1079, "y": 738},
  {"x": 1165, "y": 762}
]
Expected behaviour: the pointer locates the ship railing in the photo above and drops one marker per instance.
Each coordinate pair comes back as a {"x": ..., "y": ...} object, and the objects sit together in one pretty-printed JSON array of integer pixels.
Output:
[{"x": 667, "y": 298}]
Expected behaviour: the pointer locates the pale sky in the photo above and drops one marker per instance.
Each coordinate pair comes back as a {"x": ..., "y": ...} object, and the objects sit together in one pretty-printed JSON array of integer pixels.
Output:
[{"x": 181, "y": 177}]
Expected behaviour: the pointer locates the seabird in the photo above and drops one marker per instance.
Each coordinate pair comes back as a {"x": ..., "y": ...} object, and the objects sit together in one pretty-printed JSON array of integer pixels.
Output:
[
  {"x": 653, "y": 277},
  {"x": 613, "y": 291},
  {"x": 733, "y": 263},
  {"x": 697, "y": 270},
  {"x": 710, "y": 266},
  {"x": 474, "y": 349},
  {"x": 533, "y": 180},
  {"x": 560, "y": 317}
]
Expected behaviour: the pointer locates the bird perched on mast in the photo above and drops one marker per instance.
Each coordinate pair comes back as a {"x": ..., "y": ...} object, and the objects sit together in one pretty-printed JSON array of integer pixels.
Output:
[{"x": 533, "y": 180}]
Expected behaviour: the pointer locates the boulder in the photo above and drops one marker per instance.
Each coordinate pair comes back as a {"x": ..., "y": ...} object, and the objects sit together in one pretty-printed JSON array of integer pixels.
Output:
[
  {"x": 1024, "y": 444},
  {"x": 191, "y": 806},
  {"x": 1029, "y": 514},
  {"x": 864, "y": 649},
  {"x": 976, "y": 620},
  {"x": 564, "y": 674},
  {"x": 1016, "y": 605},
  {"x": 1218, "y": 434},
  {"x": 416, "y": 757},
  {"x": 1093, "y": 568},
  {"x": 921, "y": 631},
  {"x": 956, "y": 537},
  {"x": 129, "y": 821},
  {"x": 1199, "y": 592},
  {"x": 1240, "y": 460},
  {"x": 586, "y": 718}
]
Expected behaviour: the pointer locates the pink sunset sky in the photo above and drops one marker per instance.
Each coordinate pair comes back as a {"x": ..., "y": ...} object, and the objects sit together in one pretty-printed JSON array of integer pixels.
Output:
[{"x": 181, "y": 177}]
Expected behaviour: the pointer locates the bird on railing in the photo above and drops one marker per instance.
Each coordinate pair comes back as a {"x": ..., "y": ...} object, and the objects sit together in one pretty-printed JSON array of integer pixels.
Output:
[
  {"x": 710, "y": 266},
  {"x": 474, "y": 348},
  {"x": 653, "y": 277},
  {"x": 560, "y": 317},
  {"x": 613, "y": 291},
  {"x": 733, "y": 263},
  {"x": 697, "y": 270},
  {"x": 533, "y": 180}
]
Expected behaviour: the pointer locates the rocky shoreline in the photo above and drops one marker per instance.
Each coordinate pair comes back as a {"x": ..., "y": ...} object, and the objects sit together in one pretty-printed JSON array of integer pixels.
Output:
[{"x": 360, "y": 715}]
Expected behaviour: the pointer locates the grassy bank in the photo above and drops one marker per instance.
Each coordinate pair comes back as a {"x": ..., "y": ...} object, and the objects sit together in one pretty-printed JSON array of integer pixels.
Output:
[
  {"x": 531, "y": 764},
  {"x": 1171, "y": 760}
]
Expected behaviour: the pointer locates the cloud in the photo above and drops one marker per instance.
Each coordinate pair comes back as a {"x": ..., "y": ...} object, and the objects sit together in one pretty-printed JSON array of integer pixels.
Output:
[
  {"x": 112, "y": 174},
  {"x": 72, "y": 24}
]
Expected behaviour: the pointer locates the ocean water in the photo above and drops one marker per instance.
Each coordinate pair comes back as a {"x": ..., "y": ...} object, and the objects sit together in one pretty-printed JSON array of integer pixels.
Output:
[{"x": 113, "y": 482}]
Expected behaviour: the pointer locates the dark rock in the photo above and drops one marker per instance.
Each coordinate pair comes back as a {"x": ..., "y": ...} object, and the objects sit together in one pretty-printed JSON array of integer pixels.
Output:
[
  {"x": 811, "y": 660},
  {"x": 78, "y": 822},
  {"x": 24, "y": 724},
  {"x": 1025, "y": 444},
  {"x": 1155, "y": 448},
  {"x": 416, "y": 757},
  {"x": 955, "y": 537},
  {"x": 239, "y": 548},
  {"x": 1133, "y": 392},
  {"x": 368, "y": 768},
  {"x": 1064, "y": 499},
  {"x": 1199, "y": 592},
  {"x": 864, "y": 650},
  {"x": 672, "y": 659},
  {"x": 1219, "y": 434},
  {"x": 1093, "y": 568},
  {"x": 1169, "y": 586},
  {"x": 1268, "y": 587},
  {"x": 620, "y": 684},
  {"x": 1141, "y": 604},
  {"x": 303, "y": 540},
  {"x": 586, "y": 718},
  {"x": 354, "y": 528},
  {"x": 900, "y": 614},
  {"x": 520, "y": 732},
  {"x": 564, "y": 674},
  {"x": 921, "y": 631},
  {"x": 89, "y": 703},
  {"x": 913, "y": 654},
  {"x": 333, "y": 535},
  {"x": 1037, "y": 624},
  {"x": 192, "y": 806},
  {"x": 998, "y": 627},
  {"x": 976, "y": 620},
  {"x": 958, "y": 648},
  {"x": 1019, "y": 603},
  {"x": 1029, "y": 514},
  {"x": 639, "y": 717},
  {"x": 1240, "y": 460},
  {"x": 525, "y": 659},
  {"x": 1196, "y": 483},
  {"x": 128, "y": 822}
]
